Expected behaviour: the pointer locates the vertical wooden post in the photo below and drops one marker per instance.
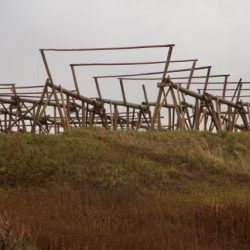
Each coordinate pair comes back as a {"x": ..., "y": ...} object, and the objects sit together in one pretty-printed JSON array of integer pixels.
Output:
[
  {"x": 5, "y": 121},
  {"x": 218, "y": 109},
  {"x": 145, "y": 95},
  {"x": 68, "y": 109},
  {"x": 52, "y": 86},
  {"x": 127, "y": 117},
  {"x": 210, "y": 107},
  {"x": 207, "y": 80},
  {"x": 191, "y": 75},
  {"x": 55, "y": 121},
  {"x": 111, "y": 115},
  {"x": 177, "y": 108},
  {"x": 225, "y": 87},
  {"x": 138, "y": 124},
  {"x": 87, "y": 115},
  {"x": 123, "y": 92},
  {"x": 169, "y": 119},
  {"x": 157, "y": 105},
  {"x": 248, "y": 112},
  {"x": 197, "y": 112},
  {"x": 98, "y": 89},
  {"x": 173, "y": 120},
  {"x": 74, "y": 79},
  {"x": 229, "y": 126},
  {"x": 133, "y": 117},
  {"x": 115, "y": 117},
  {"x": 64, "y": 109},
  {"x": 83, "y": 115},
  {"x": 236, "y": 90},
  {"x": 159, "y": 127}
]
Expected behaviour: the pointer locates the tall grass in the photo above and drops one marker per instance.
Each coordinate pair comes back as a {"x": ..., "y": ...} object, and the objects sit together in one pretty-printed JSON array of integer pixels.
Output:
[
  {"x": 70, "y": 219},
  {"x": 93, "y": 189}
]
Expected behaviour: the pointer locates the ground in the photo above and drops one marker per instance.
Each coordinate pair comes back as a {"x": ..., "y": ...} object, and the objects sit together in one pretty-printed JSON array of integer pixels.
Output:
[{"x": 97, "y": 189}]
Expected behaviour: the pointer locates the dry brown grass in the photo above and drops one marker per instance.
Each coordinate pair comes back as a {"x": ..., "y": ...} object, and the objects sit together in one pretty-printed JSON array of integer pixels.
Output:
[{"x": 68, "y": 219}]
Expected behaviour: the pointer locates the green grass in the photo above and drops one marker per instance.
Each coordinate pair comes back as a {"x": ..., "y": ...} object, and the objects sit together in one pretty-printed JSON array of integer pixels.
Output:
[{"x": 128, "y": 161}]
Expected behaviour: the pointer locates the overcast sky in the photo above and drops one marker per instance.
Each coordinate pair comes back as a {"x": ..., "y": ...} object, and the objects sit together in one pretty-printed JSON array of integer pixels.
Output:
[{"x": 217, "y": 32}]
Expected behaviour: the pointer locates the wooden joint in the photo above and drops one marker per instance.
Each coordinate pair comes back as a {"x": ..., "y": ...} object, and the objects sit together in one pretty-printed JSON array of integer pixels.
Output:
[{"x": 164, "y": 84}]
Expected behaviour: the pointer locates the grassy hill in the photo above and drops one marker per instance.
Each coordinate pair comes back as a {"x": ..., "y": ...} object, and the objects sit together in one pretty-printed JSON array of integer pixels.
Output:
[{"x": 97, "y": 189}]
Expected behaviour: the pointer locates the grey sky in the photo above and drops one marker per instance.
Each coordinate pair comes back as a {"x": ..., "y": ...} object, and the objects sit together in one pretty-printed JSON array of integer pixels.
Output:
[{"x": 217, "y": 32}]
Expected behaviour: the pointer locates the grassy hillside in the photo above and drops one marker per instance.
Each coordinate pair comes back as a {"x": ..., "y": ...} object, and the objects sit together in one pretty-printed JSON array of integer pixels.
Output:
[{"x": 96, "y": 189}]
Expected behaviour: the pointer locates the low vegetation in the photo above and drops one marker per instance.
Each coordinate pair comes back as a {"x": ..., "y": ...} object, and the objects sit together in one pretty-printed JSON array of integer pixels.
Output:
[{"x": 97, "y": 189}]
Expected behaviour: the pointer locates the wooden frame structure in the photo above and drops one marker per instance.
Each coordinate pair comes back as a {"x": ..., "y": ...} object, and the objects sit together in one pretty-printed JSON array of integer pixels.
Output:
[{"x": 189, "y": 98}]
